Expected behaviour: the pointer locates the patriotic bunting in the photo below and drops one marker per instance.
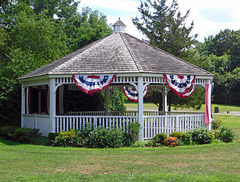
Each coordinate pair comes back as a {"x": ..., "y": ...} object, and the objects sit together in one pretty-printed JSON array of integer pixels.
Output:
[
  {"x": 132, "y": 94},
  {"x": 208, "y": 104},
  {"x": 189, "y": 92},
  {"x": 92, "y": 83},
  {"x": 180, "y": 85}
]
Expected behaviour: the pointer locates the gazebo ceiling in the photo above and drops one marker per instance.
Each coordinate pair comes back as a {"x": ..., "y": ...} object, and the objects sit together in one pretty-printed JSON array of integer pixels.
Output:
[{"x": 118, "y": 53}]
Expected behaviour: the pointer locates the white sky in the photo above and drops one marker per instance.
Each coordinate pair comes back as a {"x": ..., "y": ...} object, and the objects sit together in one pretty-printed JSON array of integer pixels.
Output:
[{"x": 209, "y": 16}]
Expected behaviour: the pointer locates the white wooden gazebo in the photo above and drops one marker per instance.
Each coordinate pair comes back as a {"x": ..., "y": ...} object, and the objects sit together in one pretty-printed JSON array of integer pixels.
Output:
[{"x": 134, "y": 62}]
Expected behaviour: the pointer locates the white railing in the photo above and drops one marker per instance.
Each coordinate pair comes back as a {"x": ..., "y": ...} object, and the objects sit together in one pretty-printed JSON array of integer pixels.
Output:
[
  {"x": 152, "y": 124},
  {"x": 64, "y": 123},
  {"x": 170, "y": 123}
]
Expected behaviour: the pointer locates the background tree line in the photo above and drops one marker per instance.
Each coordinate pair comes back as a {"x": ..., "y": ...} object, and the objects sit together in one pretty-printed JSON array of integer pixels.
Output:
[
  {"x": 165, "y": 27},
  {"x": 34, "y": 33}
]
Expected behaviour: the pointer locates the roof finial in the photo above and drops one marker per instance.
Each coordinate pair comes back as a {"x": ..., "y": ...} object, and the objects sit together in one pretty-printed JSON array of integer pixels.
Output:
[{"x": 119, "y": 26}]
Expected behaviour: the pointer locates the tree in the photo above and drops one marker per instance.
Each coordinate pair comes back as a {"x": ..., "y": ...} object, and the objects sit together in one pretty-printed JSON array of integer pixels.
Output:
[
  {"x": 165, "y": 27},
  {"x": 34, "y": 33},
  {"x": 85, "y": 27},
  {"x": 220, "y": 55}
]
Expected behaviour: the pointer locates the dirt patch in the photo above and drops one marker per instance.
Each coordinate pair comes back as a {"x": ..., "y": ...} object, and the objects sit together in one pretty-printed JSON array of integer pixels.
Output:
[
  {"x": 143, "y": 163},
  {"x": 59, "y": 170}
]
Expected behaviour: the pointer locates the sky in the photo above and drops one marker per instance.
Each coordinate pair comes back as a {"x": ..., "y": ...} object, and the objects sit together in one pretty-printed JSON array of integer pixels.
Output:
[{"x": 209, "y": 16}]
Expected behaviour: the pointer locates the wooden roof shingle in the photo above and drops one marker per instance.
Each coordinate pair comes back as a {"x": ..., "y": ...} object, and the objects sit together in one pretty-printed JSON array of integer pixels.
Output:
[{"x": 118, "y": 53}]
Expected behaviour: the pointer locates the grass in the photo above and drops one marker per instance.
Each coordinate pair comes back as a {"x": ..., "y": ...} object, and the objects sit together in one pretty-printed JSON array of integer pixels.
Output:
[
  {"x": 131, "y": 106},
  {"x": 215, "y": 162},
  {"x": 230, "y": 121}
]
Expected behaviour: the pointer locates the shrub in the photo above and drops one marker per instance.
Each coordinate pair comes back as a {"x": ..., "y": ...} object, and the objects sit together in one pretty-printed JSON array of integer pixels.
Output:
[
  {"x": 159, "y": 138},
  {"x": 216, "y": 124},
  {"x": 7, "y": 131},
  {"x": 26, "y": 135},
  {"x": 226, "y": 134},
  {"x": 202, "y": 136},
  {"x": 52, "y": 136},
  {"x": 187, "y": 139},
  {"x": 67, "y": 138},
  {"x": 170, "y": 142},
  {"x": 84, "y": 134},
  {"x": 106, "y": 137},
  {"x": 127, "y": 141},
  {"x": 146, "y": 143},
  {"x": 134, "y": 130},
  {"x": 42, "y": 141},
  {"x": 179, "y": 142},
  {"x": 178, "y": 135},
  {"x": 216, "y": 134}
]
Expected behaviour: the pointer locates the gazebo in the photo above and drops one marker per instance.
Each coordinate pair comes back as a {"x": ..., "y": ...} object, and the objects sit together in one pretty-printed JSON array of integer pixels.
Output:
[{"x": 123, "y": 60}]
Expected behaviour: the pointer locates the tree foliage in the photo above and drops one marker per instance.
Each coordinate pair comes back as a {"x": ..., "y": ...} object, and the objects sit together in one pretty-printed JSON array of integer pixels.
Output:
[
  {"x": 220, "y": 55},
  {"x": 165, "y": 26},
  {"x": 36, "y": 32}
]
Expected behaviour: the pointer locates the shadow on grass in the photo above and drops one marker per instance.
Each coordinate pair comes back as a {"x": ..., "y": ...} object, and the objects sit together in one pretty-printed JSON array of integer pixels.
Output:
[{"x": 8, "y": 142}]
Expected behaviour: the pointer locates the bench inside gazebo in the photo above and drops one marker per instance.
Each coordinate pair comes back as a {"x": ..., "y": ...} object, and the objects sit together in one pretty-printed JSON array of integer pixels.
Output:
[{"x": 116, "y": 61}]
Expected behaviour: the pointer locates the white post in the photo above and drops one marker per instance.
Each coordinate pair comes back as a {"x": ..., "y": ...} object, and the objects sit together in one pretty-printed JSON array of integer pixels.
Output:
[
  {"x": 140, "y": 106},
  {"x": 164, "y": 95},
  {"x": 52, "y": 105},
  {"x": 23, "y": 105},
  {"x": 107, "y": 102}
]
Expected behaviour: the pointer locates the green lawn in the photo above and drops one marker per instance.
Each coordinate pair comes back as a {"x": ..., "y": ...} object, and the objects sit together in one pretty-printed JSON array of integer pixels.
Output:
[
  {"x": 131, "y": 106},
  {"x": 215, "y": 162},
  {"x": 232, "y": 122}
]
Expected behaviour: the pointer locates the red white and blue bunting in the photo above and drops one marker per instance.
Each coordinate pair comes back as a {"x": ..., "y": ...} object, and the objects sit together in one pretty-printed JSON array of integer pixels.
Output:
[
  {"x": 92, "y": 83},
  {"x": 132, "y": 94},
  {"x": 208, "y": 104},
  {"x": 189, "y": 92},
  {"x": 180, "y": 85}
]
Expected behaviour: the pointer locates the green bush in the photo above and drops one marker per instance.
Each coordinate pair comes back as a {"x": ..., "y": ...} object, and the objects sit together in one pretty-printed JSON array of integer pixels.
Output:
[
  {"x": 216, "y": 124},
  {"x": 26, "y": 135},
  {"x": 42, "y": 141},
  {"x": 187, "y": 139},
  {"x": 106, "y": 137},
  {"x": 127, "y": 141},
  {"x": 202, "y": 136},
  {"x": 7, "y": 131},
  {"x": 159, "y": 138},
  {"x": 178, "y": 135},
  {"x": 226, "y": 134},
  {"x": 84, "y": 134},
  {"x": 95, "y": 138},
  {"x": 67, "y": 138},
  {"x": 134, "y": 130},
  {"x": 146, "y": 143},
  {"x": 52, "y": 136},
  {"x": 216, "y": 134}
]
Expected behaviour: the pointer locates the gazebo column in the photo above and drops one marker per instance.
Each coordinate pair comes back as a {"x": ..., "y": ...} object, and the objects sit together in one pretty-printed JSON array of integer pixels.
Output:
[
  {"x": 164, "y": 95},
  {"x": 140, "y": 106},
  {"x": 52, "y": 105},
  {"x": 23, "y": 102},
  {"x": 107, "y": 101}
]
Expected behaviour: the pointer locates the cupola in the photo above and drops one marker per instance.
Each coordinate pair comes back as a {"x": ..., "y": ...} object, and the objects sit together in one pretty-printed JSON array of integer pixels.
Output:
[{"x": 119, "y": 26}]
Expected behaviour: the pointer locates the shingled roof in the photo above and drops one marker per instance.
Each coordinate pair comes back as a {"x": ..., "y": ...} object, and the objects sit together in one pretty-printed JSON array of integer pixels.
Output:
[{"x": 118, "y": 53}]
